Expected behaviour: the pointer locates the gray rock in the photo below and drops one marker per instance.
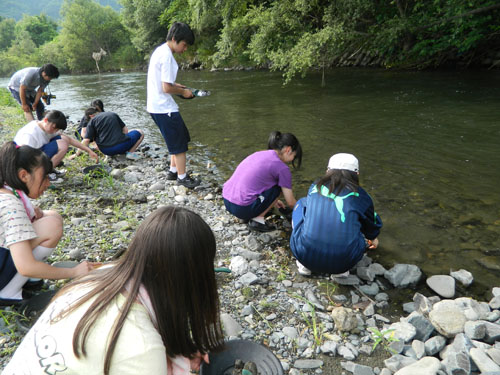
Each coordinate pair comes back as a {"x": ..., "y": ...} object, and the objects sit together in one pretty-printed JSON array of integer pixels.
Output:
[
  {"x": 385, "y": 371},
  {"x": 313, "y": 300},
  {"x": 252, "y": 244},
  {"x": 425, "y": 366},
  {"x": 239, "y": 265},
  {"x": 494, "y": 354},
  {"x": 290, "y": 332},
  {"x": 345, "y": 353},
  {"x": 495, "y": 291},
  {"x": 370, "y": 290},
  {"x": 364, "y": 273},
  {"x": 492, "y": 332},
  {"x": 423, "y": 326},
  {"x": 250, "y": 255},
  {"x": 464, "y": 276},
  {"x": 403, "y": 275},
  {"x": 349, "y": 280},
  {"x": 117, "y": 173},
  {"x": 443, "y": 285},
  {"x": 249, "y": 278},
  {"x": 307, "y": 364},
  {"x": 397, "y": 362},
  {"x": 158, "y": 186},
  {"x": 329, "y": 347},
  {"x": 396, "y": 347},
  {"x": 422, "y": 304},
  {"x": 457, "y": 363},
  {"x": 409, "y": 307},
  {"x": 419, "y": 348},
  {"x": 369, "y": 310},
  {"x": 377, "y": 269},
  {"x": 475, "y": 330},
  {"x": 495, "y": 303},
  {"x": 447, "y": 319},
  {"x": 76, "y": 254},
  {"x": 434, "y": 345},
  {"x": 403, "y": 331},
  {"x": 78, "y": 220},
  {"x": 362, "y": 370},
  {"x": 382, "y": 297},
  {"x": 344, "y": 318},
  {"x": 231, "y": 326},
  {"x": 482, "y": 361}
]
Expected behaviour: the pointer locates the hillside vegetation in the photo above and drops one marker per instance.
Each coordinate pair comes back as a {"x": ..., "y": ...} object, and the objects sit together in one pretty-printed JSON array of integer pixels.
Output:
[{"x": 291, "y": 36}]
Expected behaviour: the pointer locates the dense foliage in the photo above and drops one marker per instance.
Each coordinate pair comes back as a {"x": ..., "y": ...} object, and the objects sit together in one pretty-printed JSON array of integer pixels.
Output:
[{"x": 292, "y": 36}]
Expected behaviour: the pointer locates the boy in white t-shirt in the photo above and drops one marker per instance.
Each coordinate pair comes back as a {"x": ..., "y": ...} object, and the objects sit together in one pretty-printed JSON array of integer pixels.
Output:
[
  {"x": 162, "y": 107},
  {"x": 45, "y": 136}
]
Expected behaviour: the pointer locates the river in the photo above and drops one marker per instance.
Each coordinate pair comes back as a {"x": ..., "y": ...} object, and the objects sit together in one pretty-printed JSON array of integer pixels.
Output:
[{"x": 427, "y": 142}]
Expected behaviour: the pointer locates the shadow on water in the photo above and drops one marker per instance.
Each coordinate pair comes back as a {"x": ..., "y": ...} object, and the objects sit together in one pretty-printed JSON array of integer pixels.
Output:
[{"x": 427, "y": 143}]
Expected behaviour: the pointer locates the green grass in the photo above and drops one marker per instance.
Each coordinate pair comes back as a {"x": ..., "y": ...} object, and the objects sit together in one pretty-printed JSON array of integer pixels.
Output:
[{"x": 11, "y": 115}]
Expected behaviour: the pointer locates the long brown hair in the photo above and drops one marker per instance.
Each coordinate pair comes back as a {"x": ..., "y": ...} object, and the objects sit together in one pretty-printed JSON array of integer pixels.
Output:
[
  {"x": 337, "y": 180},
  {"x": 172, "y": 255}
]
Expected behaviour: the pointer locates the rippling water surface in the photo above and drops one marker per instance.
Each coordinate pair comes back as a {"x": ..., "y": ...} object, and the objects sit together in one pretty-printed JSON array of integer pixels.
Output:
[{"x": 428, "y": 145}]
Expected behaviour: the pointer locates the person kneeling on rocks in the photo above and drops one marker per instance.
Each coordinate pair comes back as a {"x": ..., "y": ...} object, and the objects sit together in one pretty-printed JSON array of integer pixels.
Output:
[
  {"x": 260, "y": 179},
  {"x": 28, "y": 235},
  {"x": 154, "y": 311},
  {"x": 336, "y": 222},
  {"x": 111, "y": 134}
]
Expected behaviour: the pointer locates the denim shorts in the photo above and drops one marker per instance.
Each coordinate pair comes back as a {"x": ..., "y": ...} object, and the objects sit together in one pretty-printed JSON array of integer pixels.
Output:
[
  {"x": 173, "y": 130},
  {"x": 122, "y": 148},
  {"x": 40, "y": 108},
  {"x": 263, "y": 201},
  {"x": 51, "y": 148}
]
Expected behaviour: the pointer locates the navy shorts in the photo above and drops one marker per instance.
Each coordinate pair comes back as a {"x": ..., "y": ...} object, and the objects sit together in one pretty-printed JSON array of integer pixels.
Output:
[
  {"x": 122, "y": 148},
  {"x": 263, "y": 201},
  {"x": 40, "y": 108},
  {"x": 7, "y": 268},
  {"x": 174, "y": 131},
  {"x": 51, "y": 148}
]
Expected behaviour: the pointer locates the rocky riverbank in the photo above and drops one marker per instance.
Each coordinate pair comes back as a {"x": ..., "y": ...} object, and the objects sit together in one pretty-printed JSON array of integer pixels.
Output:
[{"x": 317, "y": 325}]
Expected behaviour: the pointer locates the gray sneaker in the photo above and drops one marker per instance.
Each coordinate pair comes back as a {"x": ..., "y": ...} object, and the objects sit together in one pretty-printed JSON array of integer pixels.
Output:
[{"x": 188, "y": 182}]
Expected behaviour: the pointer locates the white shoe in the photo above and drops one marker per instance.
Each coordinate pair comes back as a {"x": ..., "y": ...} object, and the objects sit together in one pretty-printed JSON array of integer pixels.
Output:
[
  {"x": 336, "y": 275},
  {"x": 132, "y": 156},
  {"x": 304, "y": 271}
]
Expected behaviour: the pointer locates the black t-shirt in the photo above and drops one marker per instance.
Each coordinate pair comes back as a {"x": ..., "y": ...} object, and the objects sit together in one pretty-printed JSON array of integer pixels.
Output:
[{"x": 106, "y": 129}]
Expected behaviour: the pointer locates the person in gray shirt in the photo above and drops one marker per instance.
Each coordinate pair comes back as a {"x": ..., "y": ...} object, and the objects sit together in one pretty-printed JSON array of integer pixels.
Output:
[{"x": 27, "y": 86}]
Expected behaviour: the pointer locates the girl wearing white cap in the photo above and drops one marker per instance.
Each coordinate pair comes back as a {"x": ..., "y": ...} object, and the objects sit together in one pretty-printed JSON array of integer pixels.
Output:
[{"x": 336, "y": 222}]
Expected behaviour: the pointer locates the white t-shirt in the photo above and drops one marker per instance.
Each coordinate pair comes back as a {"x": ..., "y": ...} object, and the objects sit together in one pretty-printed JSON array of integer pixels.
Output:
[
  {"x": 162, "y": 68},
  {"x": 47, "y": 348},
  {"x": 15, "y": 226},
  {"x": 33, "y": 135}
]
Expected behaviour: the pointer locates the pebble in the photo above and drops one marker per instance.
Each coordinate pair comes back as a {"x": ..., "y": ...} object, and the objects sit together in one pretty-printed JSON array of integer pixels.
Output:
[{"x": 263, "y": 299}]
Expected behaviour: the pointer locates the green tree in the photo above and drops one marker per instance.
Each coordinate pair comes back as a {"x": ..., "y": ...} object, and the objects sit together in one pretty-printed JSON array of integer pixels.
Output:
[
  {"x": 40, "y": 28},
  {"x": 141, "y": 17},
  {"x": 7, "y": 34},
  {"x": 86, "y": 28}
]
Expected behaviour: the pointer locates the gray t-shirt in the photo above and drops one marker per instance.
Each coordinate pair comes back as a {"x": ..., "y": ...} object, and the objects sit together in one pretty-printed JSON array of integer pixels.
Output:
[{"x": 29, "y": 77}]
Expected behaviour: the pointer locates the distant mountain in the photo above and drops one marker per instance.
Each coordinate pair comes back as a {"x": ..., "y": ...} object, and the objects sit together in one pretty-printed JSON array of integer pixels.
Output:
[{"x": 15, "y": 8}]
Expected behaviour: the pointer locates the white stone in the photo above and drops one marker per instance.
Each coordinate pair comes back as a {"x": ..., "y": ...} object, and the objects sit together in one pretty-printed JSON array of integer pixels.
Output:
[{"x": 425, "y": 366}]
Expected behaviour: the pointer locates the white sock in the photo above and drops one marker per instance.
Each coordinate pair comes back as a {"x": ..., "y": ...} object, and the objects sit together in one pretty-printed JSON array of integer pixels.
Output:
[
  {"x": 173, "y": 169},
  {"x": 15, "y": 286},
  {"x": 181, "y": 176},
  {"x": 259, "y": 219},
  {"x": 41, "y": 253}
]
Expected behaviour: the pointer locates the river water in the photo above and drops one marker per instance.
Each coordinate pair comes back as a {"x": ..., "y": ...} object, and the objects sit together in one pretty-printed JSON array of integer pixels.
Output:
[{"x": 427, "y": 142}]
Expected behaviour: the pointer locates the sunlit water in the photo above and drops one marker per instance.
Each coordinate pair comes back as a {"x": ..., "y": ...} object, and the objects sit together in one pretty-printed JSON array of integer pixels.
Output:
[{"x": 428, "y": 145}]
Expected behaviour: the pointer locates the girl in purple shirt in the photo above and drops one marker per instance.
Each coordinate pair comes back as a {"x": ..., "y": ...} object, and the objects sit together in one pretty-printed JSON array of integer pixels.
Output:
[{"x": 260, "y": 179}]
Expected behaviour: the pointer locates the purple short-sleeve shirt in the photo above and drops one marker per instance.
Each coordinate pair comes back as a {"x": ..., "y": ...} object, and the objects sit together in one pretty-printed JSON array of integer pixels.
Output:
[{"x": 255, "y": 174}]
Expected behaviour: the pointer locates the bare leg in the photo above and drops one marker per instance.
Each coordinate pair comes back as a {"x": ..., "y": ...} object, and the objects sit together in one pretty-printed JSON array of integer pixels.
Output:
[
  {"x": 49, "y": 229},
  {"x": 138, "y": 141},
  {"x": 263, "y": 214},
  {"x": 62, "y": 146},
  {"x": 179, "y": 161},
  {"x": 29, "y": 116}
]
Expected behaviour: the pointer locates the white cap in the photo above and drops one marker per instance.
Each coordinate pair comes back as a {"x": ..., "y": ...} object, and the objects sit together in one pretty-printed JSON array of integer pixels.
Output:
[{"x": 344, "y": 161}]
